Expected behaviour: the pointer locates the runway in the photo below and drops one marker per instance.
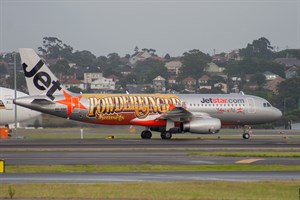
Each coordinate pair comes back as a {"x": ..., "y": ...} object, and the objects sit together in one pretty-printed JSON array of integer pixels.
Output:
[
  {"x": 138, "y": 151},
  {"x": 145, "y": 177},
  {"x": 180, "y": 143},
  {"x": 133, "y": 157},
  {"x": 144, "y": 152}
]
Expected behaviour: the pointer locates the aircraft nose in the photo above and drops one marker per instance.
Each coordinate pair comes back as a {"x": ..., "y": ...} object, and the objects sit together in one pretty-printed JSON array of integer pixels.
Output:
[{"x": 277, "y": 114}]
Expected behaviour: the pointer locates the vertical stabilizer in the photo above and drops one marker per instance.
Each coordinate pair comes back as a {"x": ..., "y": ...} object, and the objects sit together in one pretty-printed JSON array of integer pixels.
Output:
[{"x": 39, "y": 78}]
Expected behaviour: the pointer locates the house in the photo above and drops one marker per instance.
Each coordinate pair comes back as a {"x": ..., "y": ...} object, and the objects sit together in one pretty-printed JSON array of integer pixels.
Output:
[
  {"x": 270, "y": 76},
  {"x": 222, "y": 86},
  {"x": 2, "y": 62},
  {"x": 114, "y": 78},
  {"x": 73, "y": 83},
  {"x": 173, "y": 67},
  {"x": 73, "y": 65},
  {"x": 291, "y": 72},
  {"x": 124, "y": 60},
  {"x": 103, "y": 84},
  {"x": 138, "y": 88},
  {"x": 64, "y": 78},
  {"x": 172, "y": 80},
  {"x": 233, "y": 55},
  {"x": 288, "y": 62},
  {"x": 125, "y": 70},
  {"x": 135, "y": 89},
  {"x": 204, "y": 80},
  {"x": 236, "y": 82},
  {"x": 157, "y": 58},
  {"x": 248, "y": 77},
  {"x": 159, "y": 84},
  {"x": 272, "y": 84},
  {"x": 220, "y": 58},
  {"x": 189, "y": 83},
  {"x": 251, "y": 86},
  {"x": 207, "y": 87},
  {"x": 91, "y": 77},
  {"x": 213, "y": 68},
  {"x": 139, "y": 56}
]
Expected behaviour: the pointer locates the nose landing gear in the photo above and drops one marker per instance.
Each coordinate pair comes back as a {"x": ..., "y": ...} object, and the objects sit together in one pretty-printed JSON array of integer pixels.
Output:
[{"x": 247, "y": 132}]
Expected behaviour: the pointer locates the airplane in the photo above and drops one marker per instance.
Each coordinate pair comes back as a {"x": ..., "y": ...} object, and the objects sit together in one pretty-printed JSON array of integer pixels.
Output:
[
  {"x": 7, "y": 108},
  {"x": 166, "y": 113}
]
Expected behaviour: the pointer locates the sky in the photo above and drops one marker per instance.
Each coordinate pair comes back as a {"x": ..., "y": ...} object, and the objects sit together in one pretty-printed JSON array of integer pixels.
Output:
[{"x": 168, "y": 26}]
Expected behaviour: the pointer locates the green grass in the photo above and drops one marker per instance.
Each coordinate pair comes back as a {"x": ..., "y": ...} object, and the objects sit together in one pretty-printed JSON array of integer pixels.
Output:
[
  {"x": 145, "y": 168},
  {"x": 249, "y": 154},
  {"x": 205, "y": 190}
]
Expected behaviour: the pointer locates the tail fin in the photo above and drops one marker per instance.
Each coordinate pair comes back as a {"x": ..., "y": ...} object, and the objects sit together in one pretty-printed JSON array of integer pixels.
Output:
[{"x": 39, "y": 78}]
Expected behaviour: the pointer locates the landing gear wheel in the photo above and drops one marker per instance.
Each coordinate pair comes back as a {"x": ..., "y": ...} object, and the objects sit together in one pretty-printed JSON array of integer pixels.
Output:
[
  {"x": 247, "y": 131},
  {"x": 146, "y": 134},
  {"x": 166, "y": 135},
  {"x": 246, "y": 136}
]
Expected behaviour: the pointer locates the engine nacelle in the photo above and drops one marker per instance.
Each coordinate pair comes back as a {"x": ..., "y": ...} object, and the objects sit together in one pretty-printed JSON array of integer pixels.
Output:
[{"x": 202, "y": 126}]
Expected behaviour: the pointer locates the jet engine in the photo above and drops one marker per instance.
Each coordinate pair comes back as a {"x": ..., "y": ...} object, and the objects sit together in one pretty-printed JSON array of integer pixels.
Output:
[{"x": 202, "y": 126}]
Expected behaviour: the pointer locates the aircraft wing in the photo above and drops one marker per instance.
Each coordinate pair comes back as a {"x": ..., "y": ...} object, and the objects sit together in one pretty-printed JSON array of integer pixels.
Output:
[{"x": 180, "y": 114}]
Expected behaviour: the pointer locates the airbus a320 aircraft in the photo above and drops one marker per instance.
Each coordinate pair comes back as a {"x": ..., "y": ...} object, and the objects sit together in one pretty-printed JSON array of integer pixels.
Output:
[
  {"x": 7, "y": 108},
  {"x": 165, "y": 113}
]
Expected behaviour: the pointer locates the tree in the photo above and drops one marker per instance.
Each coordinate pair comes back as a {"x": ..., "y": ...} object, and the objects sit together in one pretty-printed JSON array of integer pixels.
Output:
[
  {"x": 194, "y": 62},
  {"x": 3, "y": 69},
  {"x": 290, "y": 88},
  {"x": 61, "y": 66},
  {"x": 167, "y": 56},
  {"x": 113, "y": 60},
  {"x": 289, "y": 53},
  {"x": 259, "y": 79},
  {"x": 136, "y": 49},
  {"x": 260, "y": 48},
  {"x": 289, "y": 93},
  {"x": 252, "y": 66},
  {"x": 52, "y": 47},
  {"x": 75, "y": 89},
  {"x": 149, "y": 69},
  {"x": 85, "y": 58}
]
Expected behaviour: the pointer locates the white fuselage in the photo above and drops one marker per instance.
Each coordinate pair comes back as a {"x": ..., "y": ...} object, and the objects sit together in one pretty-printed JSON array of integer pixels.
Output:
[{"x": 7, "y": 108}]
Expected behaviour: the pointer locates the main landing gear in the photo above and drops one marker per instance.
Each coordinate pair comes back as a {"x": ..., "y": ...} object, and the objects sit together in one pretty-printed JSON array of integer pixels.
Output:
[
  {"x": 165, "y": 135},
  {"x": 146, "y": 134},
  {"x": 247, "y": 132}
]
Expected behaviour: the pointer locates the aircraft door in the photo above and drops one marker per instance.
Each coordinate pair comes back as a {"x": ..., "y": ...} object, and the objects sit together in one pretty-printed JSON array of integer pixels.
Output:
[
  {"x": 8, "y": 101},
  {"x": 251, "y": 105}
]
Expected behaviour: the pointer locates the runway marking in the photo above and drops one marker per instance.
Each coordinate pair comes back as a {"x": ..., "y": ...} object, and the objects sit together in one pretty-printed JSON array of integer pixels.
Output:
[{"x": 248, "y": 161}]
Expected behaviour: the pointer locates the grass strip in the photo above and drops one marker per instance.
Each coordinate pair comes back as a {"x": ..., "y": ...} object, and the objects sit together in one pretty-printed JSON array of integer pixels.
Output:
[
  {"x": 249, "y": 154},
  {"x": 212, "y": 190},
  {"x": 145, "y": 168}
]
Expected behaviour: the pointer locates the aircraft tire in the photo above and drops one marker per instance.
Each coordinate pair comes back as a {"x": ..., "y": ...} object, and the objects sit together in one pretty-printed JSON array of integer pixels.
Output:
[
  {"x": 146, "y": 134},
  {"x": 166, "y": 135},
  {"x": 246, "y": 136}
]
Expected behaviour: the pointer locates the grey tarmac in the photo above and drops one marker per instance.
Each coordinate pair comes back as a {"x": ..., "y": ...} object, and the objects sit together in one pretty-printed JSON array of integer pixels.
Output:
[
  {"x": 141, "y": 152},
  {"x": 145, "y": 177}
]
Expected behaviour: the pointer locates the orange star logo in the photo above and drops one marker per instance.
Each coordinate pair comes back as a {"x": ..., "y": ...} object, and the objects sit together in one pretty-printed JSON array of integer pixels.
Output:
[{"x": 71, "y": 102}]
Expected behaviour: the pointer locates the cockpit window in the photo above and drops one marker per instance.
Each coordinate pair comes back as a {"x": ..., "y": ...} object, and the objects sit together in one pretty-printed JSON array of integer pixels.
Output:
[
  {"x": 267, "y": 104},
  {"x": 2, "y": 106}
]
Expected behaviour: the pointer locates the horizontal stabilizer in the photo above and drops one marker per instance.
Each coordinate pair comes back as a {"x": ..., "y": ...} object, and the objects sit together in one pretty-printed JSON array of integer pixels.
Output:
[{"x": 42, "y": 102}]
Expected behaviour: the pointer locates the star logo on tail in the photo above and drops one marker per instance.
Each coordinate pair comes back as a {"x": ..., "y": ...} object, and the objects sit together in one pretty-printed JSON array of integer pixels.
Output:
[{"x": 71, "y": 102}]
